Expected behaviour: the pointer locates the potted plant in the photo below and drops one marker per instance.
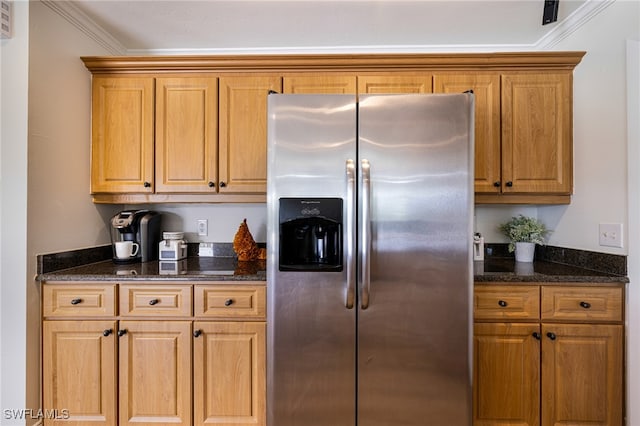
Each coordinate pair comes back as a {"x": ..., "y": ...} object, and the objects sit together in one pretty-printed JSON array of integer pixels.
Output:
[{"x": 524, "y": 233}]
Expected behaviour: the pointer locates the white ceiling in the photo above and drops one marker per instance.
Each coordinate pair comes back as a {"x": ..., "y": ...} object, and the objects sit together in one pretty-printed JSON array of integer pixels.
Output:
[{"x": 214, "y": 26}]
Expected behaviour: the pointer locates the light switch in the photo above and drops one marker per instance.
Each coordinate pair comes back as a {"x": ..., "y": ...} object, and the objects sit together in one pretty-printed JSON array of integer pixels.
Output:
[{"x": 611, "y": 235}]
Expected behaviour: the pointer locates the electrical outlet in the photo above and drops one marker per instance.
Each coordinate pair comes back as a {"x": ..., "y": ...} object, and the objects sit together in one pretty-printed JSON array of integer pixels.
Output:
[
  {"x": 611, "y": 234},
  {"x": 203, "y": 227}
]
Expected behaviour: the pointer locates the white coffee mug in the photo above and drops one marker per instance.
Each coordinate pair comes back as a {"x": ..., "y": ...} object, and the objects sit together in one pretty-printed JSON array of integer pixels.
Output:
[{"x": 126, "y": 249}]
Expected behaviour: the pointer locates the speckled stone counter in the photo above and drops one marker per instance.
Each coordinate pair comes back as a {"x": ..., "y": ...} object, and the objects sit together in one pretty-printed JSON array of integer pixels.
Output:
[
  {"x": 508, "y": 270},
  {"x": 190, "y": 269},
  {"x": 553, "y": 264}
]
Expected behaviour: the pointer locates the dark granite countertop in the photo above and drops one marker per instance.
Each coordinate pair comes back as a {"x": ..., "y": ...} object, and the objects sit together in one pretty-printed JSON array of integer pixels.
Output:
[
  {"x": 190, "y": 269},
  {"x": 508, "y": 270},
  {"x": 553, "y": 264}
]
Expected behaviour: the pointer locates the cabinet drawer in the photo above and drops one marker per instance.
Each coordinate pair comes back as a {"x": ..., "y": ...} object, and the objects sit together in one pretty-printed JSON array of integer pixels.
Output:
[
  {"x": 582, "y": 303},
  {"x": 219, "y": 301},
  {"x": 78, "y": 300},
  {"x": 155, "y": 300},
  {"x": 506, "y": 302}
]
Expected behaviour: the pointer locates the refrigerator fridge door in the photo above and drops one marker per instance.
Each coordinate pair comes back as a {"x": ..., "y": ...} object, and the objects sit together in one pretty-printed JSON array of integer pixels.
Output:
[
  {"x": 311, "y": 314},
  {"x": 414, "y": 321}
]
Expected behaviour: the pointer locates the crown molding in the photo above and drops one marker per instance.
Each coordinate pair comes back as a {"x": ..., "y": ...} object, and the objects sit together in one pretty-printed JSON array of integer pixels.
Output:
[
  {"x": 86, "y": 25},
  {"x": 572, "y": 23},
  {"x": 561, "y": 31}
]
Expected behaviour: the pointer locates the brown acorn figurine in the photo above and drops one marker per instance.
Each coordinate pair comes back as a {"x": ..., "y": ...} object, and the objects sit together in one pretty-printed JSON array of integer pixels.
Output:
[{"x": 245, "y": 246}]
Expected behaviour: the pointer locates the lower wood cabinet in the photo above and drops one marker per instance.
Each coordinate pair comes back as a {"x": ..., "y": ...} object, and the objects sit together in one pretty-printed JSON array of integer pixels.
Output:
[
  {"x": 559, "y": 363},
  {"x": 229, "y": 366},
  {"x": 135, "y": 368}
]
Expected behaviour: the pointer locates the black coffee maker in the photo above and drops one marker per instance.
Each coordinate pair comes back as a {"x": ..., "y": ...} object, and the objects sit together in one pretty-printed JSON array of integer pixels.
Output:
[{"x": 139, "y": 227}]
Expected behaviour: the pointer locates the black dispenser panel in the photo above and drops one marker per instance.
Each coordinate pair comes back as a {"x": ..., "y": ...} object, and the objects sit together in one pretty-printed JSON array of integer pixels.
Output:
[{"x": 310, "y": 234}]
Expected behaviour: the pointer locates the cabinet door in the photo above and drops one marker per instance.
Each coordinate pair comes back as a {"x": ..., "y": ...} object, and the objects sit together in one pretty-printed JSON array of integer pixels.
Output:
[
  {"x": 186, "y": 134},
  {"x": 582, "y": 375},
  {"x": 506, "y": 372},
  {"x": 79, "y": 372},
  {"x": 486, "y": 89},
  {"x": 122, "y": 135},
  {"x": 320, "y": 83},
  {"x": 229, "y": 373},
  {"x": 383, "y": 84},
  {"x": 537, "y": 133},
  {"x": 243, "y": 132},
  {"x": 155, "y": 372}
]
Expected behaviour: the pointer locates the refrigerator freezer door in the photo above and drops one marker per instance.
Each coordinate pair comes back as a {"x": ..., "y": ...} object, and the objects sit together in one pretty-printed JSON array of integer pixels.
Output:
[
  {"x": 311, "y": 315},
  {"x": 414, "y": 332}
]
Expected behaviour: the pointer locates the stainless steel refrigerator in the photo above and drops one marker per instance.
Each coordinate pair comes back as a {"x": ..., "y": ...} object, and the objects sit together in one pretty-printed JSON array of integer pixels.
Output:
[{"x": 369, "y": 275}]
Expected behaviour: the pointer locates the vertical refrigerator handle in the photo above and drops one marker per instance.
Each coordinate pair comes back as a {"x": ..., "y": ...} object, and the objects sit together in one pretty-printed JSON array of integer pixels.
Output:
[
  {"x": 350, "y": 230},
  {"x": 365, "y": 233}
]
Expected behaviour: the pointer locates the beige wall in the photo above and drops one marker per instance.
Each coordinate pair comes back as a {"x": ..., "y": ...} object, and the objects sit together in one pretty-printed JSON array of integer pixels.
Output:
[
  {"x": 61, "y": 215},
  {"x": 602, "y": 189},
  {"x": 14, "y": 67}
]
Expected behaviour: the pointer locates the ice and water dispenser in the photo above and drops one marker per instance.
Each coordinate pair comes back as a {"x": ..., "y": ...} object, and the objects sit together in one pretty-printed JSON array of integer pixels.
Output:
[{"x": 310, "y": 234}]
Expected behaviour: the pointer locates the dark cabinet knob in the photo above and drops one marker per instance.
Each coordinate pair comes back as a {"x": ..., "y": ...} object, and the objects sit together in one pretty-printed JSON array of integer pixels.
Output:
[
  {"x": 147, "y": 184},
  {"x": 153, "y": 302},
  {"x": 509, "y": 184},
  {"x": 76, "y": 301},
  {"x": 223, "y": 184},
  {"x": 502, "y": 303},
  {"x": 212, "y": 184},
  {"x": 228, "y": 302},
  {"x": 585, "y": 305},
  {"x": 197, "y": 333},
  {"x": 107, "y": 332},
  {"x": 551, "y": 336},
  {"x": 122, "y": 332},
  {"x": 497, "y": 184},
  {"x": 536, "y": 335}
]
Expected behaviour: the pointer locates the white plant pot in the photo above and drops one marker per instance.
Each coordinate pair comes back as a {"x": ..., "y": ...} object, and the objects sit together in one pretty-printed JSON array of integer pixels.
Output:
[{"x": 525, "y": 251}]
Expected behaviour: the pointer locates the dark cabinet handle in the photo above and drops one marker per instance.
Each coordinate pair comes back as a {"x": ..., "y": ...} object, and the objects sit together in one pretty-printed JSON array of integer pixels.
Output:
[
  {"x": 212, "y": 184},
  {"x": 153, "y": 302},
  {"x": 228, "y": 302},
  {"x": 122, "y": 332},
  {"x": 502, "y": 303},
  {"x": 509, "y": 184},
  {"x": 497, "y": 184},
  {"x": 76, "y": 301},
  {"x": 551, "y": 336},
  {"x": 536, "y": 335},
  {"x": 147, "y": 185},
  {"x": 223, "y": 184},
  {"x": 585, "y": 305},
  {"x": 107, "y": 332},
  {"x": 197, "y": 333}
]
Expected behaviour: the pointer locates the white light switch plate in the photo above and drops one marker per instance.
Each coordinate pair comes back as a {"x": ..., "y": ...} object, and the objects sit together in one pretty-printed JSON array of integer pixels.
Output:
[{"x": 611, "y": 235}]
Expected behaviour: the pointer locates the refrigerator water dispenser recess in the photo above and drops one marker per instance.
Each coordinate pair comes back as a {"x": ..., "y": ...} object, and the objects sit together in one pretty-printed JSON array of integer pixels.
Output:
[{"x": 310, "y": 234}]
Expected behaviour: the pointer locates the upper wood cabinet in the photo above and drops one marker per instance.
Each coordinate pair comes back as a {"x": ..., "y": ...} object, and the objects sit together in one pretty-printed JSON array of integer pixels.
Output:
[
  {"x": 186, "y": 143},
  {"x": 488, "y": 153},
  {"x": 211, "y": 121},
  {"x": 122, "y": 144},
  {"x": 319, "y": 83},
  {"x": 243, "y": 132},
  {"x": 537, "y": 133},
  {"x": 383, "y": 84}
]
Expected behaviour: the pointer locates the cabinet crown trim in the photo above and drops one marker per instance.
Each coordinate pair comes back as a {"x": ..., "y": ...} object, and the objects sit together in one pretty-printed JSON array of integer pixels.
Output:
[{"x": 334, "y": 62}]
